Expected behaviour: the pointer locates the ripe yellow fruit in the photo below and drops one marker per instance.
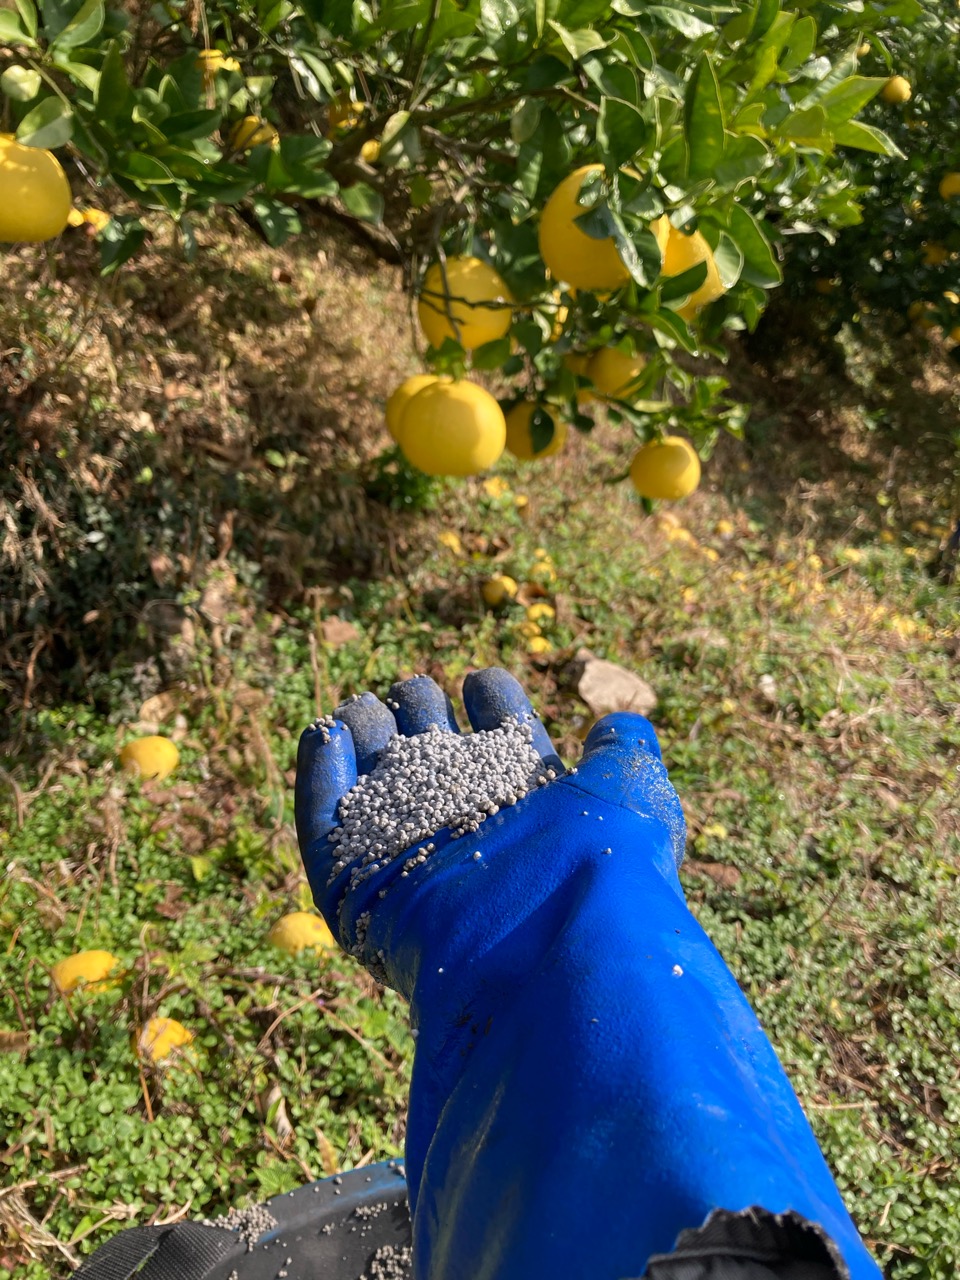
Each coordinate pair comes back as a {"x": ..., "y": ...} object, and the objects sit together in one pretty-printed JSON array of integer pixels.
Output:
[
  {"x": 301, "y": 931},
  {"x": 86, "y": 968},
  {"x": 519, "y": 438},
  {"x": 252, "y": 132},
  {"x": 400, "y": 398},
  {"x": 680, "y": 253},
  {"x": 473, "y": 308},
  {"x": 541, "y": 612},
  {"x": 499, "y": 589},
  {"x": 453, "y": 429},
  {"x": 897, "y": 90},
  {"x": 612, "y": 372},
  {"x": 34, "y": 193},
  {"x": 570, "y": 254},
  {"x": 345, "y": 114},
  {"x": 160, "y": 1038},
  {"x": 539, "y": 645},
  {"x": 151, "y": 757},
  {"x": 667, "y": 469},
  {"x": 370, "y": 151},
  {"x": 210, "y": 61},
  {"x": 949, "y": 186}
]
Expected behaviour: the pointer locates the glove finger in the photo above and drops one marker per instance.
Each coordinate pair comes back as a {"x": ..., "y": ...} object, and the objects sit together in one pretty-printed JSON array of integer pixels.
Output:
[
  {"x": 326, "y": 770},
  {"x": 622, "y": 764},
  {"x": 419, "y": 704},
  {"x": 492, "y": 696},
  {"x": 371, "y": 725}
]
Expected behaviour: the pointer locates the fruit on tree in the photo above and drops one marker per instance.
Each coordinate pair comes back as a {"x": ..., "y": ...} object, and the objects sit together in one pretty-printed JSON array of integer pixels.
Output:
[
  {"x": 370, "y": 151},
  {"x": 301, "y": 931},
  {"x": 579, "y": 365},
  {"x": 34, "y": 193},
  {"x": 499, "y": 589},
  {"x": 161, "y": 1037},
  {"x": 85, "y": 968},
  {"x": 252, "y": 132},
  {"x": 520, "y": 434},
  {"x": 680, "y": 253},
  {"x": 401, "y": 397},
  {"x": 464, "y": 299},
  {"x": 949, "y": 186},
  {"x": 897, "y": 90},
  {"x": 151, "y": 757},
  {"x": 210, "y": 61},
  {"x": 345, "y": 114},
  {"x": 453, "y": 429},
  {"x": 20, "y": 83},
  {"x": 612, "y": 372},
  {"x": 571, "y": 255},
  {"x": 667, "y": 469}
]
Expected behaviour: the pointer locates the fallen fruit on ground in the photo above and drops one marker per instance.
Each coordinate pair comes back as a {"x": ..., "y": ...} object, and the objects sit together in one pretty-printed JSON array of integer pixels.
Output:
[
  {"x": 666, "y": 469},
  {"x": 161, "y": 1037},
  {"x": 87, "y": 969},
  {"x": 571, "y": 255},
  {"x": 541, "y": 612},
  {"x": 453, "y": 429},
  {"x": 464, "y": 299},
  {"x": 301, "y": 931},
  {"x": 252, "y": 132},
  {"x": 400, "y": 398},
  {"x": 538, "y": 645},
  {"x": 612, "y": 372},
  {"x": 897, "y": 90},
  {"x": 520, "y": 432},
  {"x": 34, "y": 193},
  {"x": 680, "y": 253},
  {"x": 498, "y": 590},
  {"x": 153, "y": 757}
]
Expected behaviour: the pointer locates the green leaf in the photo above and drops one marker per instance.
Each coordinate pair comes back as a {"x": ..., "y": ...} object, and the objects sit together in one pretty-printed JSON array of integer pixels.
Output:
[
  {"x": 492, "y": 355},
  {"x": 809, "y": 128},
  {"x": 682, "y": 285},
  {"x": 11, "y": 31},
  {"x": 703, "y": 121},
  {"x": 850, "y": 96},
  {"x": 81, "y": 29},
  {"x": 78, "y": 72},
  {"x": 188, "y": 125},
  {"x": 525, "y": 118},
  {"x": 729, "y": 261},
  {"x": 28, "y": 16},
  {"x": 673, "y": 326},
  {"x": 578, "y": 43},
  {"x": 113, "y": 96},
  {"x": 760, "y": 266},
  {"x": 742, "y": 160},
  {"x": 542, "y": 429},
  {"x": 278, "y": 220},
  {"x": 363, "y": 202},
  {"x": 120, "y": 239},
  {"x": 621, "y": 131},
  {"x": 48, "y": 125},
  {"x": 802, "y": 43},
  {"x": 866, "y": 138},
  {"x": 680, "y": 19}
]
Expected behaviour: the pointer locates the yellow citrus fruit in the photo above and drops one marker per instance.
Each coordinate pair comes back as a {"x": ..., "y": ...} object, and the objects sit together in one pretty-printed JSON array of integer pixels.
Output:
[
  {"x": 210, "y": 61},
  {"x": 473, "y": 308},
  {"x": 453, "y": 429},
  {"x": 345, "y": 114},
  {"x": 34, "y": 193},
  {"x": 570, "y": 254},
  {"x": 667, "y": 469},
  {"x": 520, "y": 439},
  {"x": 252, "y": 132},
  {"x": 680, "y": 253},
  {"x": 539, "y": 645},
  {"x": 949, "y": 186},
  {"x": 896, "y": 90},
  {"x": 301, "y": 931},
  {"x": 579, "y": 365},
  {"x": 402, "y": 396},
  {"x": 370, "y": 151},
  {"x": 86, "y": 968},
  {"x": 152, "y": 757},
  {"x": 499, "y": 589},
  {"x": 160, "y": 1037},
  {"x": 541, "y": 612},
  {"x": 96, "y": 218},
  {"x": 612, "y": 372}
]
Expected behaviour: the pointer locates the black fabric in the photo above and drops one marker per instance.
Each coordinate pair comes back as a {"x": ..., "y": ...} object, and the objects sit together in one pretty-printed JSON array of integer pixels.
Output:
[
  {"x": 751, "y": 1245},
  {"x": 162, "y": 1253}
]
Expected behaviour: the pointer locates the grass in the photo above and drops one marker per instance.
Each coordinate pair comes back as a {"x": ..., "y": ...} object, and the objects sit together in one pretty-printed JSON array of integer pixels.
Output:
[{"x": 805, "y": 666}]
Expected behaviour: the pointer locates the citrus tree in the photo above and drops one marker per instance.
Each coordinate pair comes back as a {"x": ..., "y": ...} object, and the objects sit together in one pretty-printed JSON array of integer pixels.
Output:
[{"x": 582, "y": 194}]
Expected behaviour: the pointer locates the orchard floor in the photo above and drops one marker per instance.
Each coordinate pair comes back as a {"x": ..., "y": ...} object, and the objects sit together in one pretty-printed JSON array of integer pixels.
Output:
[{"x": 213, "y": 427}]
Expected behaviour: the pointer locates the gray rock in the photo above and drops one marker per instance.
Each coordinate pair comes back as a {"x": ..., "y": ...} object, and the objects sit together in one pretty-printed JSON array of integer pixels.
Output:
[{"x": 606, "y": 687}]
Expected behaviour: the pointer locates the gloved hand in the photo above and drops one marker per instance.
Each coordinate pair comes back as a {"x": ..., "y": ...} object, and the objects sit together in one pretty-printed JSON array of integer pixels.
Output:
[{"x": 589, "y": 1081}]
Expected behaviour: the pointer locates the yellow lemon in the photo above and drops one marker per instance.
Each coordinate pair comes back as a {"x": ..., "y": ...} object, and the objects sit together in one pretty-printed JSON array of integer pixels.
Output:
[
  {"x": 570, "y": 254},
  {"x": 667, "y": 469},
  {"x": 949, "y": 186},
  {"x": 75, "y": 218},
  {"x": 161, "y": 1037},
  {"x": 612, "y": 372},
  {"x": 211, "y": 61},
  {"x": 152, "y": 757},
  {"x": 96, "y": 218},
  {"x": 541, "y": 612},
  {"x": 86, "y": 968},
  {"x": 897, "y": 90},
  {"x": 252, "y": 132},
  {"x": 519, "y": 437},
  {"x": 370, "y": 151},
  {"x": 345, "y": 114},
  {"x": 539, "y": 645},
  {"x": 498, "y": 590},
  {"x": 301, "y": 931},
  {"x": 680, "y": 253},
  {"x": 402, "y": 396},
  {"x": 472, "y": 306},
  {"x": 34, "y": 193},
  {"x": 453, "y": 429}
]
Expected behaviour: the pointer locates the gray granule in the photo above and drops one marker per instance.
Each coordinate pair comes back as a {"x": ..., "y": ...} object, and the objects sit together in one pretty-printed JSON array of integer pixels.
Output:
[
  {"x": 390, "y": 1262},
  {"x": 322, "y": 725},
  {"x": 250, "y": 1223},
  {"x": 366, "y": 1211},
  {"x": 425, "y": 783}
]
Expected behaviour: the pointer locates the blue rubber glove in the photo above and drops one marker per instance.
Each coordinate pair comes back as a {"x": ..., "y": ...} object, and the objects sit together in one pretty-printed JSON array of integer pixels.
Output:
[{"x": 589, "y": 1080}]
